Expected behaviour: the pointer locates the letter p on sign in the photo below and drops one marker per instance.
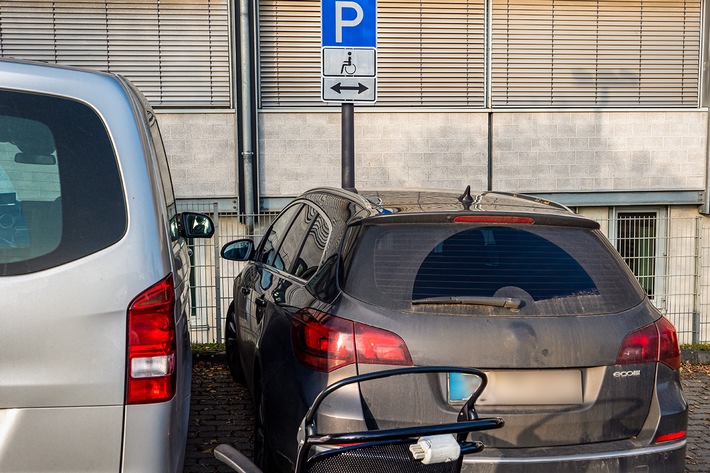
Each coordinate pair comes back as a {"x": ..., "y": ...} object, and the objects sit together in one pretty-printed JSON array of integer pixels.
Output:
[
  {"x": 349, "y": 23},
  {"x": 341, "y": 22}
]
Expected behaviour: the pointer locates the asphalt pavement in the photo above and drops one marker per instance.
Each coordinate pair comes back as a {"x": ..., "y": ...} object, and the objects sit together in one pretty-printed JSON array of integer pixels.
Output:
[{"x": 221, "y": 412}]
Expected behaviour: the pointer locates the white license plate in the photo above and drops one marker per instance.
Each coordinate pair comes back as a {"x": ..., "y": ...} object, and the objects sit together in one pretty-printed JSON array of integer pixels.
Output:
[{"x": 520, "y": 388}]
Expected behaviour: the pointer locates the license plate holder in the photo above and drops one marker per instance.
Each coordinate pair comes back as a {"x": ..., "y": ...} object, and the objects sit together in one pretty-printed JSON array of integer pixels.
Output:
[{"x": 520, "y": 388}]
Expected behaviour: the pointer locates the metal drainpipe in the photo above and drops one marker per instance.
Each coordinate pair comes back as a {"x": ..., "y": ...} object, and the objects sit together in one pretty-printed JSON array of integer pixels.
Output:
[
  {"x": 247, "y": 155},
  {"x": 705, "y": 209}
]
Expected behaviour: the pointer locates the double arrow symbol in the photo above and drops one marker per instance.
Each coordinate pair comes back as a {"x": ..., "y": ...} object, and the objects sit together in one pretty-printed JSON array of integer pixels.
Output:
[{"x": 339, "y": 86}]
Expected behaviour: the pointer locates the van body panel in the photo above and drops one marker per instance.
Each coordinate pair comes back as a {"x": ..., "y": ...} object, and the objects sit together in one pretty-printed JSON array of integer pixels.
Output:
[
  {"x": 63, "y": 341},
  {"x": 56, "y": 439}
]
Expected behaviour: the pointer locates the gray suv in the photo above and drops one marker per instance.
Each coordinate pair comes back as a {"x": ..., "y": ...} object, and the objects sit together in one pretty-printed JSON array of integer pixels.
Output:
[
  {"x": 94, "y": 345},
  {"x": 581, "y": 366}
]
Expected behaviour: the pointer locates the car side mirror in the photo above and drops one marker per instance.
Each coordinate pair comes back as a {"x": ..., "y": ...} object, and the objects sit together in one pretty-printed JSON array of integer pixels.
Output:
[
  {"x": 195, "y": 225},
  {"x": 238, "y": 250}
]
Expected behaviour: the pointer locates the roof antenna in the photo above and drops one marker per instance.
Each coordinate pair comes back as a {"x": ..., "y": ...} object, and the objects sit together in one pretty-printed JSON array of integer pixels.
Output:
[{"x": 466, "y": 198}]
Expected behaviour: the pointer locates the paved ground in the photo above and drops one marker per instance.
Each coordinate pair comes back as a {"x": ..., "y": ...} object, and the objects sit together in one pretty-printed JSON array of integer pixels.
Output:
[{"x": 222, "y": 413}]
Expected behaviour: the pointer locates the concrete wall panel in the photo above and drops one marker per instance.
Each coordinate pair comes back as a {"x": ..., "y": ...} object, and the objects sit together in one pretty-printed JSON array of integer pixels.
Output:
[{"x": 201, "y": 151}]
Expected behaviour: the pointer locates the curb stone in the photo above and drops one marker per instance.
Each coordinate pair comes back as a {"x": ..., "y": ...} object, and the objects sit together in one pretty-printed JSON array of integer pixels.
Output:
[{"x": 695, "y": 356}]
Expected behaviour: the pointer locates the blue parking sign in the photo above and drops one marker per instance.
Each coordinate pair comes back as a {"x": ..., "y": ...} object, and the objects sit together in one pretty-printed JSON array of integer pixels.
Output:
[{"x": 349, "y": 23}]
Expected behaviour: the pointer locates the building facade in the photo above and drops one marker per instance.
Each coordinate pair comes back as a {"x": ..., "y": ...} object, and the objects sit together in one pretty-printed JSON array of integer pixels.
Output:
[{"x": 598, "y": 104}]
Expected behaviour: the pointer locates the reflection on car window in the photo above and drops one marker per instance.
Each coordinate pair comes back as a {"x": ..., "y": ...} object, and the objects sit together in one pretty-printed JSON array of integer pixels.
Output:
[
  {"x": 30, "y": 209},
  {"x": 293, "y": 238},
  {"x": 309, "y": 258},
  {"x": 269, "y": 253},
  {"x": 61, "y": 196},
  {"x": 273, "y": 240},
  {"x": 553, "y": 270},
  {"x": 480, "y": 261}
]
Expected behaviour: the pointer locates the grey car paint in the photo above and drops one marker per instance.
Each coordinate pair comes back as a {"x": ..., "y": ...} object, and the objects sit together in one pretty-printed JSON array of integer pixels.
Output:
[{"x": 63, "y": 337}]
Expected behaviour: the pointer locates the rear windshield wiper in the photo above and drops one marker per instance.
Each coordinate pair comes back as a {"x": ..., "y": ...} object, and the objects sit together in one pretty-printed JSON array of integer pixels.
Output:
[{"x": 505, "y": 302}]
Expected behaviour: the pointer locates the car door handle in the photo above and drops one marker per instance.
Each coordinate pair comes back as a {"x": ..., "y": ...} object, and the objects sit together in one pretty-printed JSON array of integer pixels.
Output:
[
  {"x": 245, "y": 290},
  {"x": 260, "y": 302}
]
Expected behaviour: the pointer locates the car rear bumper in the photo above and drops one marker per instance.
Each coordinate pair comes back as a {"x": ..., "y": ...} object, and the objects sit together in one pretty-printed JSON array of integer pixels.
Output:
[{"x": 663, "y": 458}]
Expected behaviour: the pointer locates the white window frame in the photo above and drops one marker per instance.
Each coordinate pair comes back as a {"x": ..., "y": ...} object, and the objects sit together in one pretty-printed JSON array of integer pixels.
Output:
[{"x": 660, "y": 239}]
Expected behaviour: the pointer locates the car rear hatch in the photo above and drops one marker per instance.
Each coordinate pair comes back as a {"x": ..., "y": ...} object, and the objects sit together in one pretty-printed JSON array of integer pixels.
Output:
[{"x": 544, "y": 306}]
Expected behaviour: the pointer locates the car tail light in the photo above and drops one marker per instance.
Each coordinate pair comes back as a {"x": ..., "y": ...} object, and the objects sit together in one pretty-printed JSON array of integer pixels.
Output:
[
  {"x": 324, "y": 342},
  {"x": 151, "y": 345},
  {"x": 654, "y": 342},
  {"x": 672, "y": 436},
  {"x": 669, "y": 350},
  {"x": 510, "y": 219}
]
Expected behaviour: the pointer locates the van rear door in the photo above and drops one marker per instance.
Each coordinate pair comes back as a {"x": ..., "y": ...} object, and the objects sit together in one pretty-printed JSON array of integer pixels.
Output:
[{"x": 63, "y": 218}]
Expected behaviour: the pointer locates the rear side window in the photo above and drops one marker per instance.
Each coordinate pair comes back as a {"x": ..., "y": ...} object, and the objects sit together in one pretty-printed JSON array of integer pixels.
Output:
[
  {"x": 311, "y": 254},
  {"x": 270, "y": 251},
  {"x": 297, "y": 241},
  {"x": 61, "y": 195},
  {"x": 551, "y": 270}
]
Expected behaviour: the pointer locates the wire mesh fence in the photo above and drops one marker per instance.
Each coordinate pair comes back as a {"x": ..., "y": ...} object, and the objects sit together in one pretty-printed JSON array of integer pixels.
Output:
[
  {"x": 665, "y": 255},
  {"x": 669, "y": 256},
  {"x": 212, "y": 277}
]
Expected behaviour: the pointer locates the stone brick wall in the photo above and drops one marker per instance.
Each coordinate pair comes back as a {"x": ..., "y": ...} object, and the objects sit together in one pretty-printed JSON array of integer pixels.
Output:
[
  {"x": 609, "y": 151},
  {"x": 302, "y": 150},
  {"x": 532, "y": 152},
  {"x": 201, "y": 149}
]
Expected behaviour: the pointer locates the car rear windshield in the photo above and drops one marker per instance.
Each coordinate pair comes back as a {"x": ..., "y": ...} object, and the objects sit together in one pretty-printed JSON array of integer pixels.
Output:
[
  {"x": 61, "y": 196},
  {"x": 484, "y": 270}
]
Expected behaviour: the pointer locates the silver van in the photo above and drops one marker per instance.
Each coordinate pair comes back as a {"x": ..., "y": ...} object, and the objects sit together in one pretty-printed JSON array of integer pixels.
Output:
[{"x": 95, "y": 354}]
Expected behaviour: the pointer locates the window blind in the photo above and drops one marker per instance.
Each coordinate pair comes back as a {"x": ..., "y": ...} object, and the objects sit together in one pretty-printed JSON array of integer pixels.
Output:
[
  {"x": 175, "y": 51},
  {"x": 430, "y": 53},
  {"x": 588, "y": 53}
]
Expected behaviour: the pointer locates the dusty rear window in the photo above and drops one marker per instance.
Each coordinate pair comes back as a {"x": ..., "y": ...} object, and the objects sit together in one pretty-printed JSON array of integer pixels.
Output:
[
  {"x": 61, "y": 196},
  {"x": 548, "y": 270}
]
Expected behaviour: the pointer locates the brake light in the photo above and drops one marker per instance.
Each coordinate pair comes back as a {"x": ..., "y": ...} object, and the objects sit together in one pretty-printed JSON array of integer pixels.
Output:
[
  {"x": 672, "y": 436},
  {"x": 324, "y": 342},
  {"x": 654, "y": 342},
  {"x": 510, "y": 219},
  {"x": 669, "y": 350},
  {"x": 151, "y": 345}
]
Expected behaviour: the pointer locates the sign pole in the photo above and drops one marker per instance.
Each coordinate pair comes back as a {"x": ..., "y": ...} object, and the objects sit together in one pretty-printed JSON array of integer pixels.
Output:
[
  {"x": 348, "y": 67},
  {"x": 348, "y": 145}
]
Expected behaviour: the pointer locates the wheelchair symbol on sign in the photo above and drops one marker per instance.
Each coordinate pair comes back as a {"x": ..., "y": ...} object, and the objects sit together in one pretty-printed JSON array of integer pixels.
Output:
[{"x": 348, "y": 68}]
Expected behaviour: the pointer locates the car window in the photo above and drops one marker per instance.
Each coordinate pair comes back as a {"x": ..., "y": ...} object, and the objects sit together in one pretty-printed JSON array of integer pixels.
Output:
[
  {"x": 553, "y": 270},
  {"x": 61, "y": 196},
  {"x": 269, "y": 251},
  {"x": 311, "y": 254},
  {"x": 293, "y": 239},
  {"x": 164, "y": 171}
]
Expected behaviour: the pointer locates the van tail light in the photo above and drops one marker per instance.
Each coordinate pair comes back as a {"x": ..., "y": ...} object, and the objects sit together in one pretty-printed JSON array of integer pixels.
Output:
[
  {"x": 654, "y": 342},
  {"x": 324, "y": 342},
  {"x": 151, "y": 345}
]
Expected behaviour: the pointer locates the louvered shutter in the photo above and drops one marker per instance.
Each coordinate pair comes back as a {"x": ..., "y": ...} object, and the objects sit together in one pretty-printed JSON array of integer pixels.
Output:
[
  {"x": 175, "y": 51},
  {"x": 429, "y": 53},
  {"x": 595, "y": 53},
  {"x": 289, "y": 53}
]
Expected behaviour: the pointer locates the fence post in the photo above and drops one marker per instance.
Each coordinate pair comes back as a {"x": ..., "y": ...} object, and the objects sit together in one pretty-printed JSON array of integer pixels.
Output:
[
  {"x": 217, "y": 278},
  {"x": 698, "y": 281}
]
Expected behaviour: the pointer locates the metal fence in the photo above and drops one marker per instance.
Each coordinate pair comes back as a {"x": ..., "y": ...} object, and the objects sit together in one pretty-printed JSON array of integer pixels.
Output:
[
  {"x": 670, "y": 257},
  {"x": 212, "y": 277}
]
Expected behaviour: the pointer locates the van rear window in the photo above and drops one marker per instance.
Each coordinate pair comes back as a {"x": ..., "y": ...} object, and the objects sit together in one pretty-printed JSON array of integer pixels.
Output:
[
  {"x": 61, "y": 196},
  {"x": 468, "y": 269}
]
